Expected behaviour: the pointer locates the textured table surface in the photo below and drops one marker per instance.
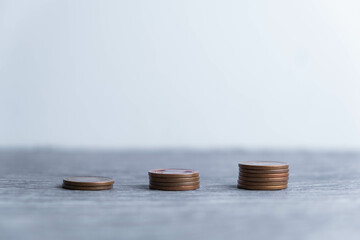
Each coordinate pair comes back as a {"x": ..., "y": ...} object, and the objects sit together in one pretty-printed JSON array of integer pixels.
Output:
[{"x": 322, "y": 201}]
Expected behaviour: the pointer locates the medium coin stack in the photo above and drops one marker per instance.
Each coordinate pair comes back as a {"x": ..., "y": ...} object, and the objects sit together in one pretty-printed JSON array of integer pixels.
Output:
[
  {"x": 263, "y": 175},
  {"x": 174, "y": 179},
  {"x": 88, "y": 183}
]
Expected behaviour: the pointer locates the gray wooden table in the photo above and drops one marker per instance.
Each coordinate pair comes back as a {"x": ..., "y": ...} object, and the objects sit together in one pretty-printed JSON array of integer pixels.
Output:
[{"x": 322, "y": 201}]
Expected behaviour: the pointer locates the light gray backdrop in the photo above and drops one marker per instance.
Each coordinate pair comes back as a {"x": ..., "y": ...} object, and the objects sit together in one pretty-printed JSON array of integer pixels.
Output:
[{"x": 197, "y": 73}]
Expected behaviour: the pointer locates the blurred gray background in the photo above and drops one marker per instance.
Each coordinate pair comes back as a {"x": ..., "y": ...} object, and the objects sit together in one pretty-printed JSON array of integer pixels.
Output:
[{"x": 174, "y": 74}]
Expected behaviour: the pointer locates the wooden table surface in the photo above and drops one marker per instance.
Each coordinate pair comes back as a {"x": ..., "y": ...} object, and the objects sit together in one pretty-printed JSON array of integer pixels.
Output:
[{"x": 322, "y": 201}]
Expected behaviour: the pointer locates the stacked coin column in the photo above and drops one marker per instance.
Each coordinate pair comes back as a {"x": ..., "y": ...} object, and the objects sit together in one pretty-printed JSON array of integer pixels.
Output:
[
  {"x": 174, "y": 179},
  {"x": 263, "y": 175},
  {"x": 88, "y": 183}
]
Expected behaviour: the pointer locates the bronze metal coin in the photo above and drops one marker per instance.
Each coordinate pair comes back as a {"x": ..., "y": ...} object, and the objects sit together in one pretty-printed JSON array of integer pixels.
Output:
[
  {"x": 173, "y": 172},
  {"x": 264, "y": 171},
  {"x": 262, "y": 187},
  {"x": 174, "y": 180},
  {"x": 84, "y": 188},
  {"x": 263, "y": 165},
  {"x": 251, "y": 179},
  {"x": 246, "y": 183},
  {"x": 176, "y": 184},
  {"x": 88, "y": 181},
  {"x": 259, "y": 175},
  {"x": 180, "y": 188}
]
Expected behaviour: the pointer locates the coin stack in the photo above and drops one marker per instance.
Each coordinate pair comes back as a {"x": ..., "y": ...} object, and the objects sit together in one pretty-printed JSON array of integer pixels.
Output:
[
  {"x": 174, "y": 179},
  {"x": 263, "y": 175},
  {"x": 88, "y": 183}
]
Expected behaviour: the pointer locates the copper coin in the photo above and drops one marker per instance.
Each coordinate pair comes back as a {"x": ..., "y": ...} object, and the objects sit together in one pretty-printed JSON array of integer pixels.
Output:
[
  {"x": 97, "y": 188},
  {"x": 262, "y": 187},
  {"x": 264, "y": 171},
  {"x": 246, "y": 183},
  {"x": 180, "y": 188},
  {"x": 251, "y": 179},
  {"x": 263, "y": 165},
  {"x": 88, "y": 181},
  {"x": 174, "y": 180},
  {"x": 173, "y": 172},
  {"x": 259, "y": 175},
  {"x": 176, "y": 184}
]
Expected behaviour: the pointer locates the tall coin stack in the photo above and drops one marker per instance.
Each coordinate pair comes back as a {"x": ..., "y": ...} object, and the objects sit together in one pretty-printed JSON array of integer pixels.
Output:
[
  {"x": 263, "y": 175},
  {"x": 174, "y": 179}
]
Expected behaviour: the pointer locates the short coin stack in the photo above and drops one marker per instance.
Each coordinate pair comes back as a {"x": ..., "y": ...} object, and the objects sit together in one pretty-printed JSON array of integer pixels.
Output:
[
  {"x": 263, "y": 175},
  {"x": 88, "y": 183},
  {"x": 174, "y": 179}
]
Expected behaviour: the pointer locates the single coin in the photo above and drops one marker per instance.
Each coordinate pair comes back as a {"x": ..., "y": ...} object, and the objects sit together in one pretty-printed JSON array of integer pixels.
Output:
[
  {"x": 98, "y": 188},
  {"x": 173, "y": 172},
  {"x": 251, "y": 179},
  {"x": 264, "y": 171},
  {"x": 88, "y": 181},
  {"x": 259, "y": 175},
  {"x": 173, "y": 179},
  {"x": 263, "y": 165},
  {"x": 246, "y": 183},
  {"x": 176, "y": 184},
  {"x": 262, "y": 187},
  {"x": 180, "y": 188}
]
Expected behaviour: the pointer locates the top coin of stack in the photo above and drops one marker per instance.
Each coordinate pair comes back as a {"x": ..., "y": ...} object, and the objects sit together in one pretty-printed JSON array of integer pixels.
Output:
[
  {"x": 263, "y": 175},
  {"x": 174, "y": 179},
  {"x": 88, "y": 183}
]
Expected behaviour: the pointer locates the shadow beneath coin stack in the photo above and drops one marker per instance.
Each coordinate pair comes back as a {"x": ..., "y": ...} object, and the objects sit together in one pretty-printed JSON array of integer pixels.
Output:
[
  {"x": 226, "y": 187},
  {"x": 232, "y": 186},
  {"x": 140, "y": 187},
  {"x": 60, "y": 186}
]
